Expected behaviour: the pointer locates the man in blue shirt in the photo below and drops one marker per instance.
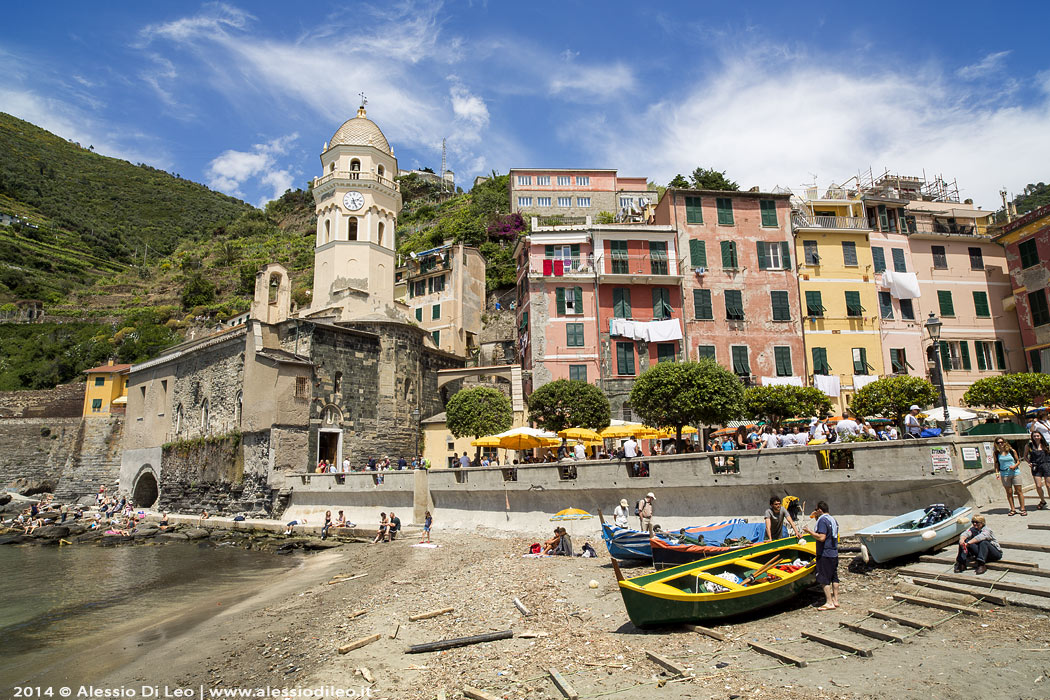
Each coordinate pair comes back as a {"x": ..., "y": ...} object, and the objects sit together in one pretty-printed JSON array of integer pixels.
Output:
[{"x": 827, "y": 537}]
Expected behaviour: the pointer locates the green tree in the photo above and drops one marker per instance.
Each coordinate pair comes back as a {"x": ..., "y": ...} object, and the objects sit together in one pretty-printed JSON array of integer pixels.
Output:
[
  {"x": 568, "y": 403},
  {"x": 893, "y": 396},
  {"x": 676, "y": 394},
  {"x": 1012, "y": 392},
  {"x": 478, "y": 412},
  {"x": 679, "y": 181},
  {"x": 197, "y": 291},
  {"x": 775, "y": 403},
  {"x": 711, "y": 179}
]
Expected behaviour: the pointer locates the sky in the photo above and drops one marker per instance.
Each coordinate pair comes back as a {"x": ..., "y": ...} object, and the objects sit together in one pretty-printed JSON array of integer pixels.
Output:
[{"x": 241, "y": 96}]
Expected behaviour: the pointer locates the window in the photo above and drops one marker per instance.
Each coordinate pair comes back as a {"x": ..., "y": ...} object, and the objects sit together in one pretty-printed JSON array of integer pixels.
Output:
[
  {"x": 543, "y": 180},
  {"x": 665, "y": 352},
  {"x": 524, "y": 201},
  {"x": 980, "y": 305},
  {"x": 940, "y": 258},
  {"x": 1038, "y": 307},
  {"x": 543, "y": 201},
  {"x": 435, "y": 312},
  {"x": 419, "y": 314},
  {"x": 707, "y": 351},
  {"x": 741, "y": 367},
  {"x": 774, "y": 256},
  {"x": 436, "y": 336},
  {"x": 725, "y": 210},
  {"x": 814, "y": 307},
  {"x": 955, "y": 355},
  {"x": 1029, "y": 254},
  {"x": 661, "y": 303},
  {"x": 853, "y": 307},
  {"x": 702, "y": 305},
  {"x": 569, "y": 300},
  {"x": 820, "y": 361},
  {"x": 944, "y": 300},
  {"x": 564, "y": 201},
  {"x": 1000, "y": 355},
  {"x": 302, "y": 390},
  {"x": 809, "y": 249},
  {"x": 769, "y": 212},
  {"x": 578, "y": 373},
  {"x": 878, "y": 257},
  {"x": 621, "y": 302},
  {"x": 1036, "y": 360},
  {"x": 729, "y": 259},
  {"x": 898, "y": 260},
  {"x": 693, "y": 213},
  {"x": 860, "y": 361},
  {"x": 100, "y": 381},
  {"x": 781, "y": 305},
  {"x": 96, "y": 405},
  {"x": 983, "y": 351},
  {"x": 626, "y": 202},
  {"x": 782, "y": 360},
  {"x": 849, "y": 253},
  {"x": 976, "y": 259},
  {"x": 734, "y": 304},
  {"x": 658, "y": 257},
  {"x": 697, "y": 253},
  {"x": 907, "y": 310},
  {"x": 583, "y": 201},
  {"x": 420, "y": 288},
  {"x": 574, "y": 335},
  {"x": 178, "y": 419},
  {"x": 337, "y": 383},
  {"x": 439, "y": 283},
  {"x": 619, "y": 257},
  {"x": 205, "y": 416},
  {"x": 524, "y": 180},
  {"x": 899, "y": 361},
  {"x": 885, "y": 305},
  {"x": 583, "y": 181},
  {"x": 564, "y": 181},
  {"x": 625, "y": 358}
]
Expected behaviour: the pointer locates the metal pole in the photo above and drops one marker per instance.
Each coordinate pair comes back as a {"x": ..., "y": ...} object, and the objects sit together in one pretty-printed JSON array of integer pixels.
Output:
[{"x": 944, "y": 398}]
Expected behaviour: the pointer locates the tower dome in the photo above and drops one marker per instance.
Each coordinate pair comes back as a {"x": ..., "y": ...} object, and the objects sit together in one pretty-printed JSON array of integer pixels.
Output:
[{"x": 360, "y": 131}]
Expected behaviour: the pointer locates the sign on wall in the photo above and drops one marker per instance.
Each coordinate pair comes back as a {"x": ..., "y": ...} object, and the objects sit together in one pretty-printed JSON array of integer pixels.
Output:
[{"x": 941, "y": 458}]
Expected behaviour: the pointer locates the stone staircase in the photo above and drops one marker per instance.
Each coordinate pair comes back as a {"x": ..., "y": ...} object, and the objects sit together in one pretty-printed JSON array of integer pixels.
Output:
[{"x": 95, "y": 460}]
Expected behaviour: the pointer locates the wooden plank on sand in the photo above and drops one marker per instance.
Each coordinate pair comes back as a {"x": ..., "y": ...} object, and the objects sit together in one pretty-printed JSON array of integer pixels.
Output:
[
  {"x": 429, "y": 614},
  {"x": 1039, "y": 526},
  {"x": 459, "y": 642},
  {"x": 477, "y": 694},
  {"x": 359, "y": 643},
  {"x": 837, "y": 644},
  {"x": 666, "y": 663},
  {"x": 521, "y": 607},
  {"x": 356, "y": 613},
  {"x": 1008, "y": 563},
  {"x": 777, "y": 654},
  {"x": 982, "y": 593},
  {"x": 713, "y": 634},
  {"x": 1026, "y": 547},
  {"x": 933, "y": 603},
  {"x": 562, "y": 684},
  {"x": 874, "y": 634},
  {"x": 970, "y": 580},
  {"x": 899, "y": 619}
]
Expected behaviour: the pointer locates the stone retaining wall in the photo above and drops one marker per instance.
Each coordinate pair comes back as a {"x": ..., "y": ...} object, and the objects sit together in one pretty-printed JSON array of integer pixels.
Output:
[{"x": 35, "y": 450}]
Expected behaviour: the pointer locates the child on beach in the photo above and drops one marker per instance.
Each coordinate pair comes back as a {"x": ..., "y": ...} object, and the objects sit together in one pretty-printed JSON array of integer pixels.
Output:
[{"x": 428, "y": 520}]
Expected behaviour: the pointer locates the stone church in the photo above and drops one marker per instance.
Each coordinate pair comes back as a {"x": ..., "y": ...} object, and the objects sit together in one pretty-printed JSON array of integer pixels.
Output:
[{"x": 224, "y": 422}]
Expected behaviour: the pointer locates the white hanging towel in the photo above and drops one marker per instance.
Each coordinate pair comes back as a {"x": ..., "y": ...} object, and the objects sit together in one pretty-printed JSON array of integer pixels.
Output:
[
  {"x": 828, "y": 383},
  {"x": 663, "y": 331},
  {"x": 862, "y": 380},
  {"x": 903, "y": 285},
  {"x": 781, "y": 381}
]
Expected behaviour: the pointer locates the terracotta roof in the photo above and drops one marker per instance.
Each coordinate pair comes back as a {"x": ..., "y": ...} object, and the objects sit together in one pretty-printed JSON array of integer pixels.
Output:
[{"x": 109, "y": 369}]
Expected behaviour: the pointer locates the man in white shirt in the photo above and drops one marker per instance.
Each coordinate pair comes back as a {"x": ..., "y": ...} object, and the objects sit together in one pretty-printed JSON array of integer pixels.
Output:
[
  {"x": 847, "y": 426},
  {"x": 621, "y": 514},
  {"x": 818, "y": 430},
  {"x": 579, "y": 452},
  {"x": 769, "y": 438},
  {"x": 346, "y": 465},
  {"x": 630, "y": 448},
  {"x": 912, "y": 425},
  {"x": 891, "y": 432}
]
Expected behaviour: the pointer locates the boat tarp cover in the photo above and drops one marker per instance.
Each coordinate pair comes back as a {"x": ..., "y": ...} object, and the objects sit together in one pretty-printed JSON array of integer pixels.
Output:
[{"x": 716, "y": 535}]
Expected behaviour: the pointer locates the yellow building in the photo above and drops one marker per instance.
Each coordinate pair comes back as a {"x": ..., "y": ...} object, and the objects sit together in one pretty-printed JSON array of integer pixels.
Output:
[
  {"x": 107, "y": 390},
  {"x": 840, "y": 307}
]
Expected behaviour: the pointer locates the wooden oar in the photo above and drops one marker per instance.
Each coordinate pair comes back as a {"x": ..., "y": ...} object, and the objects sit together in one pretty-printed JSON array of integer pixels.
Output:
[
  {"x": 600, "y": 516},
  {"x": 769, "y": 565}
]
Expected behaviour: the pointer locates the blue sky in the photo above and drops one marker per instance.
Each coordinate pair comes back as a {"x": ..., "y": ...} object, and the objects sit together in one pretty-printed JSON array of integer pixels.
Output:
[{"x": 241, "y": 96}]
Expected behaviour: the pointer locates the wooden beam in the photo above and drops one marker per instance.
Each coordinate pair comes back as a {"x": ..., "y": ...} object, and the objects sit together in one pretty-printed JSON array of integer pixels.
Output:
[
  {"x": 713, "y": 634},
  {"x": 562, "y": 684},
  {"x": 837, "y": 644},
  {"x": 933, "y": 603},
  {"x": 1026, "y": 547},
  {"x": 521, "y": 607},
  {"x": 899, "y": 619},
  {"x": 429, "y": 614},
  {"x": 356, "y": 613},
  {"x": 358, "y": 644},
  {"x": 459, "y": 642},
  {"x": 1023, "y": 570},
  {"x": 777, "y": 654},
  {"x": 972, "y": 581},
  {"x": 874, "y": 634},
  {"x": 1039, "y": 526},
  {"x": 1001, "y": 562},
  {"x": 476, "y": 694},
  {"x": 666, "y": 663},
  {"x": 982, "y": 593}
]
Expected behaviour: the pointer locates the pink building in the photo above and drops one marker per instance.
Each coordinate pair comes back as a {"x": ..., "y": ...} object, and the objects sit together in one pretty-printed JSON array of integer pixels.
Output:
[{"x": 570, "y": 195}]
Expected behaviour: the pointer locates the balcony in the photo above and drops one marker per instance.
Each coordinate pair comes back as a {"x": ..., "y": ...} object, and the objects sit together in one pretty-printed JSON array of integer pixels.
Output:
[
  {"x": 356, "y": 175},
  {"x": 558, "y": 267},
  {"x": 838, "y": 223},
  {"x": 645, "y": 266}
]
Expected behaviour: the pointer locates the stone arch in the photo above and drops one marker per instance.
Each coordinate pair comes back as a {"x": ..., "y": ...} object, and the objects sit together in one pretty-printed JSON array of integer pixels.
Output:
[
  {"x": 355, "y": 168},
  {"x": 380, "y": 170},
  {"x": 146, "y": 491},
  {"x": 331, "y": 415}
]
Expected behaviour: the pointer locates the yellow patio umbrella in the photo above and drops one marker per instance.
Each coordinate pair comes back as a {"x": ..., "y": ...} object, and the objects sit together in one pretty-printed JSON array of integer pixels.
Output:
[
  {"x": 644, "y": 432},
  {"x": 524, "y": 438},
  {"x": 579, "y": 434},
  {"x": 571, "y": 514},
  {"x": 617, "y": 431},
  {"x": 487, "y": 441}
]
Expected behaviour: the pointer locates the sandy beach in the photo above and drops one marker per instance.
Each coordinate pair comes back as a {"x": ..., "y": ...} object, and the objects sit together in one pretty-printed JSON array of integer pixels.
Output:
[{"x": 287, "y": 635}]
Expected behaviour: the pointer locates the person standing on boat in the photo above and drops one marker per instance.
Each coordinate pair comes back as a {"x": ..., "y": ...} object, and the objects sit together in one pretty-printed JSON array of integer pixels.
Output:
[
  {"x": 1008, "y": 462},
  {"x": 775, "y": 517},
  {"x": 620, "y": 514},
  {"x": 1037, "y": 454},
  {"x": 978, "y": 542},
  {"x": 827, "y": 536}
]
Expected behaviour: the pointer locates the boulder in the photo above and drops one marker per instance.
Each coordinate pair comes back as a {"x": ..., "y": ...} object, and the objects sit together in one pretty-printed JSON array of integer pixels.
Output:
[
  {"x": 13, "y": 539},
  {"x": 89, "y": 536},
  {"x": 171, "y": 537},
  {"x": 5, "y": 498},
  {"x": 113, "y": 540},
  {"x": 144, "y": 532},
  {"x": 31, "y": 487},
  {"x": 197, "y": 533},
  {"x": 51, "y": 532}
]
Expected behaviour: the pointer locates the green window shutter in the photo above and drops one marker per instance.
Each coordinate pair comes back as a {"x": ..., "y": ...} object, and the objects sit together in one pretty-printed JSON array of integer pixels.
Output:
[
  {"x": 820, "y": 361},
  {"x": 884, "y": 220},
  {"x": 885, "y": 305},
  {"x": 411, "y": 290},
  {"x": 621, "y": 302},
  {"x": 734, "y": 304},
  {"x": 763, "y": 255},
  {"x": 740, "y": 363},
  {"x": 895, "y": 360},
  {"x": 785, "y": 255},
  {"x": 944, "y": 300},
  {"x": 694, "y": 214},
  {"x": 702, "y": 305},
  {"x": 860, "y": 361},
  {"x": 729, "y": 260},
  {"x": 707, "y": 351},
  {"x": 430, "y": 285},
  {"x": 559, "y": 299},
  {"x": 436, "y": 335},
  {"x": 979, "y": 350},
  {"x": 853, "y": 307},
  {"x": 524, "y": 321},
  {"x": 574, "y": 335},
  {"x": 898, "y": 260},
  {"x": 658, "y": 257},
  {"x": 725, "y": 210},
  {"x": 697, "y": 253},
  {"x": 814, "y": 307},
  {"x": 878, "y": 257},
  {"x": 946, "y": 356},
  {"x": 781, "y": 305},
  {"x": 625, "y": 358},
  {"x": 849, "y": 253},
  {"x": 980, "y": 305},
  {"x": 574, "y": 250},
  {"x": 661, "y": 303},
  {"x": 578, "y": 373},
  {"x": 964, "y": 351},
  {"x": 782, "y": 359},
  {"x": 419, "y": 313},
  {"x": 548, "y": 251},
  {"x": 578, "y": 294},
  {"x": 435, "y": 311},
  {"x": 1000, "y": 355},
  {"x": 665, "y": 352},
  {"x": 769, "y": 212}
]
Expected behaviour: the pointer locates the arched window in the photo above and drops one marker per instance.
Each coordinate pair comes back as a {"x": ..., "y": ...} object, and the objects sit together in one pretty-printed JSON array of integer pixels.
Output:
[
  {"x": 205, "y": 416},
  {"x": 355, "y": 168},
  {"x": 240, "y": 404},
  {"x": 178, "y": 419},
  {"x": 382, "y": 228},
  {"x": 351, "y": 229},
  {"x": 380, "y": 170},
  {"x": 338, "y": 383},
  {"x": 273, "y": 288},
  {"x": 331, "y": 168},
  {"x": 327, "y": 230}
]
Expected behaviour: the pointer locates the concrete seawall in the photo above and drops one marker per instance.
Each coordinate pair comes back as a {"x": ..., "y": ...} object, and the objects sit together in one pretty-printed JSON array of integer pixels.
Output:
[{"x": 878, "y": 480}]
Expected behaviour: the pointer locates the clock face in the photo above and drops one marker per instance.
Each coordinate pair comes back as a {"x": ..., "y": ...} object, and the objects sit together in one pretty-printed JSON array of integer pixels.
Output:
[{"x": 353, "y": 201}]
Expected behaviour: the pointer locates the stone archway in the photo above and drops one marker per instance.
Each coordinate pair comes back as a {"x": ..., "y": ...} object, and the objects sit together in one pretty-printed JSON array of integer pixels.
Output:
[{"x": 146, "y": 491}]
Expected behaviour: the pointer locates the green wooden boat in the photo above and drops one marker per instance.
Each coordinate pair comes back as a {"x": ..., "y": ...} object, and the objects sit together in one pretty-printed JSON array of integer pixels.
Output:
[{"x": 684, "y": 593}]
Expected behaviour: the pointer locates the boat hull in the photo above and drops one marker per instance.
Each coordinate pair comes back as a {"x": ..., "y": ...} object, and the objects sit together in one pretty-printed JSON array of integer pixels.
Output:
[
  {"x": 667, "y": 554},
  {"x": 632, "y": 545},
  {"x": 882, "y": 542}
]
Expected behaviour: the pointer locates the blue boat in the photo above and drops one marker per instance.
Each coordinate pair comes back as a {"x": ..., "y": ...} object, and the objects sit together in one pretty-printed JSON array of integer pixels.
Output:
[
  {"x": 700, "y": 543},
  {"x": 910, "y": 533},
  {"x": 627, "y": 544}
]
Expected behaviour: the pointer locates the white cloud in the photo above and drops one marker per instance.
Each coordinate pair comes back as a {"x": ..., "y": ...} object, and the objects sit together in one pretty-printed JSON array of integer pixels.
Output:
[
  {"x": 991, "y": 63},
  {"x": 585, "y": 82},
  {"x": 231, "y": 170}
]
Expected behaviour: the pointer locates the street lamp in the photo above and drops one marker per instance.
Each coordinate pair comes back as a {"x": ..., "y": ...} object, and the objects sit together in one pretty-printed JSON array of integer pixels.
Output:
[
  {"x": 933, "y": 329},
  {"x": 419, "y": 438}
]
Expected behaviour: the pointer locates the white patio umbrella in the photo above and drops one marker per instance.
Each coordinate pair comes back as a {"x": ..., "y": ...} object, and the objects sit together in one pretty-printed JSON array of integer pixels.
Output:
[{"x": 954, "y": 413}]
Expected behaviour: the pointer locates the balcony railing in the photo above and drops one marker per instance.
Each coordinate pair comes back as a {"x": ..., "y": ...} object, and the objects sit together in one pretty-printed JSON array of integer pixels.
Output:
[
  {"x": 356, "y": 175},
  {"x": 614, "y": 264},
  {"x": 830, "y": 222},
  {"x": 579, "y": 265}
]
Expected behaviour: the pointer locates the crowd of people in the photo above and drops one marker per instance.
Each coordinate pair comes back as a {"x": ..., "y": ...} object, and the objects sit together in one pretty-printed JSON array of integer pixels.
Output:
[{"x": 373, "y": 465}]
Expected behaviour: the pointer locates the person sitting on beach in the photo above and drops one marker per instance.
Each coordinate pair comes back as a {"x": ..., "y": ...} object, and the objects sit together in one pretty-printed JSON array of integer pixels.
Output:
[
  {"x": 564, "y": 548},
  {"x": 203, "y": 516},
  {"x": 341, "y": 520},
  {"x": 327, "y": 524},
  {"x": 163, "y": 524},
  {"x": 978, "y": 542},
  {"x": 290, "y": 526},
  {"x": 552, "y": 543},
  {"x": 395, "y": 525},
  {"x": 384, "y": 529}
]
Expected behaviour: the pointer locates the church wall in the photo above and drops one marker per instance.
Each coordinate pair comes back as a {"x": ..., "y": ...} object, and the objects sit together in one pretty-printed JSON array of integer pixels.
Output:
[
  {"x": 220, "y": 476},
  {"x": 215, "y": 375}
]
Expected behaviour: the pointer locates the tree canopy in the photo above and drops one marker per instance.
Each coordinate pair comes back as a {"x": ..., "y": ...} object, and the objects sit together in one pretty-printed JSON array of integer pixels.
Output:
[
  {"x": 1012, "y": 392},
  {"x": 679, "y": 181},
  {"x": 675, "y": 394},
  {"x": 775, "y": 403},
  {"x": 478, "y": 411},
  {"x": 568, "y": 403},
  {"x": 711, "y": 179},
  {"x": 893, "y": 396}
]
